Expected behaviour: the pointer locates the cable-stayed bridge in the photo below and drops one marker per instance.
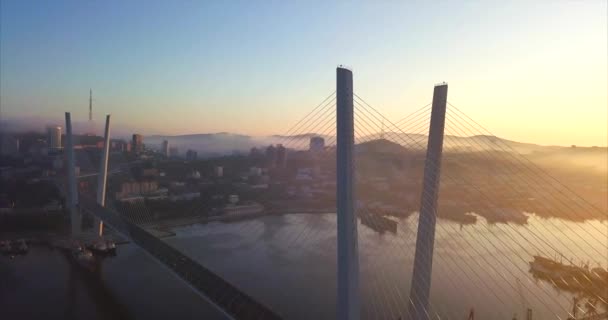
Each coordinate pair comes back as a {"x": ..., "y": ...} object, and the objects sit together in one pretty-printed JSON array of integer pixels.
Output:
[{"x": 433, "y": 135}]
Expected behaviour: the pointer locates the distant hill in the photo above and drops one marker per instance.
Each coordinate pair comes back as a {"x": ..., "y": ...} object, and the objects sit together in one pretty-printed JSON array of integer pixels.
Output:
[
  {"x": 464, "y": 144},
  {"x": 300, "y": 136},
  {"x": 224, "y": 142},
  {"x": 380, "y": 146}
]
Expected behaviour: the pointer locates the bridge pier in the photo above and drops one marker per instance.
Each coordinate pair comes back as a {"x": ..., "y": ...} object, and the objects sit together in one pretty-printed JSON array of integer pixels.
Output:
[
  {"x": 425, "y": 241},
  {"x": 348, "y": 257},
  {"x": 72, "y": 191},
  {"x": 103, "y": 176}
]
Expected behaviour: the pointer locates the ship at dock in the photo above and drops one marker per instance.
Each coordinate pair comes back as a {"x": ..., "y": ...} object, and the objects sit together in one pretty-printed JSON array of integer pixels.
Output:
[
  {"x": 378, "y": 222},
  {"x": 571, "y": 277},
  {"x": 86, "y": 256},
  {"x": 12, "y": 248},
  {"x": 102, "y": 247}
]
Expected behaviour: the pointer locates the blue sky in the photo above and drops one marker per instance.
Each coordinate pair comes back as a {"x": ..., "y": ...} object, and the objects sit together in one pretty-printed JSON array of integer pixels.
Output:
[{"x": 532, "y": 72}]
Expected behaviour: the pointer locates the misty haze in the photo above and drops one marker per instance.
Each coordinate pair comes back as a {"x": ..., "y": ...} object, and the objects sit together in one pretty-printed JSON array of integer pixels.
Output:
[{"x": 214, "y": 160}]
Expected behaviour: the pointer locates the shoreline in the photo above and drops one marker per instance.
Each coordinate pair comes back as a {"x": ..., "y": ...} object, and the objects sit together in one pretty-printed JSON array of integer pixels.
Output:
[{"x": 164, "y": 226}]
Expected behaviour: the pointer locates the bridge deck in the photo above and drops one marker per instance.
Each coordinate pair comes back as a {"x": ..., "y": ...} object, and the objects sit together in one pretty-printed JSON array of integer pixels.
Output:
[{"x": 224, "y": 295}]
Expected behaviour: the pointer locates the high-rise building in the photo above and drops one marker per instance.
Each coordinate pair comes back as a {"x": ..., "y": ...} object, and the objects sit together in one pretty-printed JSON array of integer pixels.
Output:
[
  {"x": 9, "y": 145},
  {"x": 271, "y": 153},
  {"x": 219, "y": 171},
  {"x": 281, "y": 159},
  {"x": 137, "y": 145},
  {"x": 118, "y": 146},
  {"x": 254, "y": 152},
  {"x": 53, "y": 137},
  {"x": 165, "y": 148},
  {"x": 191, "y": 155},
  {"x": 317, "y": 144}
]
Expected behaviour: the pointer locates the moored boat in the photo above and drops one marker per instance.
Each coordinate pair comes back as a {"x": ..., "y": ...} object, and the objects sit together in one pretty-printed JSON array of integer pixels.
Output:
[
  {"x": 569, "y": 276},
  {"x": 84, "y": 258},
  {"x": 103, "y": 247},
  {"x": 20, "y": 247},
  {"x": 5, "y": 247},
  {"x": 111, "y": 246}
]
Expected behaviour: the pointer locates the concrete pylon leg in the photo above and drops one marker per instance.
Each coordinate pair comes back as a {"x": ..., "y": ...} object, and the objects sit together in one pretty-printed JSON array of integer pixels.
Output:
[
  {"x": 425, "y": 241},
  {"x": 348, "y": 257},
  {"x": 75, "y": 217},
  {"x": 103, "y": 175}
]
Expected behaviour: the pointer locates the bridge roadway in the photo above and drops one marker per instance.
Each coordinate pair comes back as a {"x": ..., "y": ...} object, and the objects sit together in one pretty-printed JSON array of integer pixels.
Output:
[{"x": 234, "y": 303}]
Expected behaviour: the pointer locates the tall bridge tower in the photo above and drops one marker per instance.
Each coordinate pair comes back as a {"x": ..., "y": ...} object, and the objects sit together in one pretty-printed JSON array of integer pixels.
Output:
[
  {"x": 425, "y": 241},
  {"x": 72, "y": 189},
  {"x": 102, "y": 178},
  {"x": 348, "y": 256}
]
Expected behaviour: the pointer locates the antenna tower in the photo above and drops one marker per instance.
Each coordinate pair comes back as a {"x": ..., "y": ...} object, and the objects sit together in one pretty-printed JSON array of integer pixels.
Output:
[{"x": 90, "y": 105}]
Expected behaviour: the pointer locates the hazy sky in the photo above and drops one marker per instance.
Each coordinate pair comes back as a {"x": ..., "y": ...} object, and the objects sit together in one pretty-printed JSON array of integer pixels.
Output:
[{"x": 530, "y": 71}]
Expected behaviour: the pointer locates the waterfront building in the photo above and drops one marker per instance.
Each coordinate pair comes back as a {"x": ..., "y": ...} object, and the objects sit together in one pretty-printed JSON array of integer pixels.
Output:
[
  {"x": 219, "y": 171},
  {"x": 317, "y": 144},
  {"x": 191, "y": 155},
  {"x": 136, "y": 188},
  {"x": 165, "y": 148},
  {"x": 9, "y": 145},
  {"x": 53, "y": 137},
  {"x": 137, "y": 143},
  {"x": 243, "y": 209},
  {"x": 271, "y": 152},
  {"x": 281, "y": 158}
]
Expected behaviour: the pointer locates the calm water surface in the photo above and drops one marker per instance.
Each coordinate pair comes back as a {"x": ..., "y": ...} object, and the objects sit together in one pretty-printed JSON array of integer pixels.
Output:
[{"x": 288, "y": 262}]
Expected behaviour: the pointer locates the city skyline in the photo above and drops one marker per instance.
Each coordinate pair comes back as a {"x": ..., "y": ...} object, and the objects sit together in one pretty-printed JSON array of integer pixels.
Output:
[
  {"x": 304, "y": 160},
  {"x": 528, "y": 73}
]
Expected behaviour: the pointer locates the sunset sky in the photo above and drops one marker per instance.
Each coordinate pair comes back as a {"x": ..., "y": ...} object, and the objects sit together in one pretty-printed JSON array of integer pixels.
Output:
[{"x": 533, "y": 71}]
